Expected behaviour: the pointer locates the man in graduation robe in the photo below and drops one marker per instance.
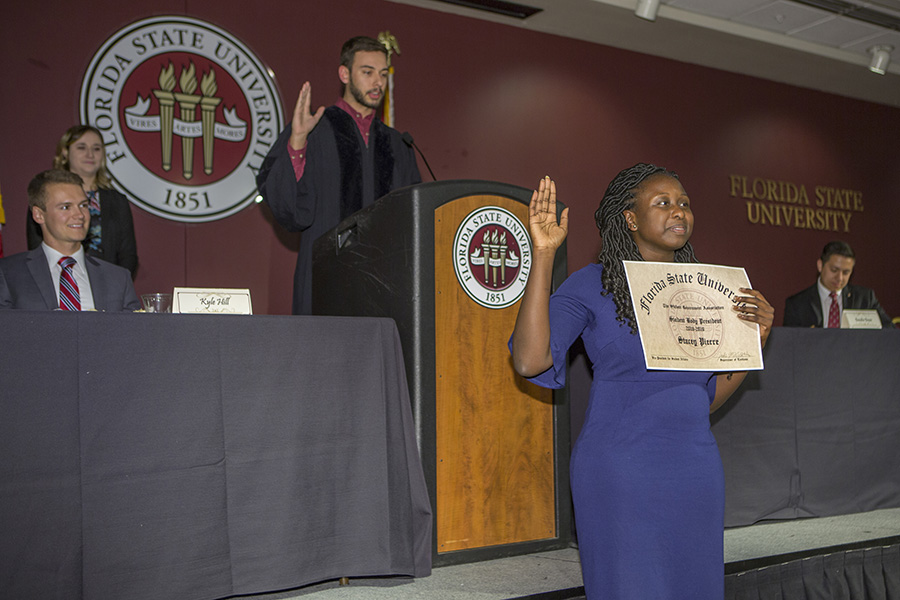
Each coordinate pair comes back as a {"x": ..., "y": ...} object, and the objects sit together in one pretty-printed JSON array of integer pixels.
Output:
[{"x": 327, "y": 165}]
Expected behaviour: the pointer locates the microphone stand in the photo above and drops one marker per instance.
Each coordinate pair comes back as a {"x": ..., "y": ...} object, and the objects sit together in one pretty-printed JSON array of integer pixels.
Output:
[{"x": 408, "y": 140}]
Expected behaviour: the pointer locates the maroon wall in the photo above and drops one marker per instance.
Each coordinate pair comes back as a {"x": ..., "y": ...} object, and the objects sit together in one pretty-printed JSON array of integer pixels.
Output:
[{"x": 487, "y": 101}]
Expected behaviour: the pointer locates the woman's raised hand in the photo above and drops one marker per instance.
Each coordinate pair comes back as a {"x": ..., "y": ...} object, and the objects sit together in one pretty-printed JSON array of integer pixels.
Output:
[
  {"x": 531, "y": 338},
  {"x": 546, "y": 233}
]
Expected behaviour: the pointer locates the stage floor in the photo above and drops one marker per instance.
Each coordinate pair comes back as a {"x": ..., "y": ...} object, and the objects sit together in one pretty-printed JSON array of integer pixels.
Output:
[
  {"x": 556, "y": 575},
  {"x": 764, "y": 544}
]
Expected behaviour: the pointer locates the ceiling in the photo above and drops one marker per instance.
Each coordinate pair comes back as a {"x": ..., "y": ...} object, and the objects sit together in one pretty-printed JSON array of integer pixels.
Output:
[{"x": 779, "y": 40}]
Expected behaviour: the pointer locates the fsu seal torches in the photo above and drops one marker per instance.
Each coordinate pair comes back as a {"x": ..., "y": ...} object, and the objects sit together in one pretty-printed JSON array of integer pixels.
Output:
[
  {"x": 188, "y": 103},
  {"x": 186, "y": 126},
  {"x": 499, "y": 256},
  {"x": 166, "y": 112},
  {"x": 208, "y": 106}
]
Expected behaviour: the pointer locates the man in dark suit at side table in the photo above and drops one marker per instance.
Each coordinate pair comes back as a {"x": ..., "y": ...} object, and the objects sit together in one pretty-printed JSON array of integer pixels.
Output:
[
  {"x": 58, "y": 274},
  {"x": 823, "y": 304}
]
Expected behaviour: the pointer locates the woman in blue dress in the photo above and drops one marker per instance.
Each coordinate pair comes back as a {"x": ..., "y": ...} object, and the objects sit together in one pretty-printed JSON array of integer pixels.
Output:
[{"x": 646, "y": 476}]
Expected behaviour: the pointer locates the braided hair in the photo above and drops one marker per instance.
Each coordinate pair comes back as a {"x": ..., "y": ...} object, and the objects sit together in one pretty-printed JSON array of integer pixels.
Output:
[{"x": 618, "y": 245}]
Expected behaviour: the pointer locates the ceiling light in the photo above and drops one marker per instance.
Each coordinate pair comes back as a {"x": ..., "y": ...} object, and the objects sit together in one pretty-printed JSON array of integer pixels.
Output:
[
  {"x": 500, "y": 7},
  {"x": 647, "y": 9},
  {"x": 881, "y": 58}
]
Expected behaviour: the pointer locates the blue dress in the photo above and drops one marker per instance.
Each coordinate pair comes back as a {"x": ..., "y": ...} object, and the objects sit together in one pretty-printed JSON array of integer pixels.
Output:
[{"x": 647, "y": 480}]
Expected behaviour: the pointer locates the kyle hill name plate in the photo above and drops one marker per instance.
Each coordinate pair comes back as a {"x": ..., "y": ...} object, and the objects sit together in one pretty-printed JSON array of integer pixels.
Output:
[
  {"x": 223, "y": 301},
  {"x": 685, "y": 319}
]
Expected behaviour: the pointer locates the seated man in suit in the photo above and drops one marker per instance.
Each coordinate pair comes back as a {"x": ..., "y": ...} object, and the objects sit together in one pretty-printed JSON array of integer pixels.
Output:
[
  {"x": 58, "y": 274},
  {"x": 823, "y": 304}
]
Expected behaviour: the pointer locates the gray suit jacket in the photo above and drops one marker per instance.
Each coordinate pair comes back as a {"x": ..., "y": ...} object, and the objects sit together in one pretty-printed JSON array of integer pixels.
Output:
[{"x": 25, "y": 283}]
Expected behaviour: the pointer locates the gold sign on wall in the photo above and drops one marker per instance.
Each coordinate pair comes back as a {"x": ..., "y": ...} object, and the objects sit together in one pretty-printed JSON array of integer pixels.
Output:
[{"x": 787, "y": 204}]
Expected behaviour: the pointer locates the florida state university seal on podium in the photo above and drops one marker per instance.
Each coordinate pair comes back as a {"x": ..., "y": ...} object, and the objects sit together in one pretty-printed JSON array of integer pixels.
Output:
[{"x": 492, "y": 256}]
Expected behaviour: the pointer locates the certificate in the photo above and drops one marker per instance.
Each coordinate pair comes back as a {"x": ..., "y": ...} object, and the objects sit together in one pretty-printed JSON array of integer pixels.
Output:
[{"x": 685, "y": 319}]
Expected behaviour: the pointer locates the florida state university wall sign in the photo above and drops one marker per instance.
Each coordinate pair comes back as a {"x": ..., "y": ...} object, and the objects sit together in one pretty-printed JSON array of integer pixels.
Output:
[{"x": 187, "y": 112}]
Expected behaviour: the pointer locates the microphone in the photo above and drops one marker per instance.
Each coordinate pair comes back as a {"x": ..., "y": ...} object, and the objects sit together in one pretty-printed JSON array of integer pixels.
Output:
[{"x": 408, "y": 140}]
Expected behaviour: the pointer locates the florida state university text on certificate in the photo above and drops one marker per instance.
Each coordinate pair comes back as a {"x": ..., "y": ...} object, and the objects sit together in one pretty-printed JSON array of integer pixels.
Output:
[{"x": 685, "y": 318}]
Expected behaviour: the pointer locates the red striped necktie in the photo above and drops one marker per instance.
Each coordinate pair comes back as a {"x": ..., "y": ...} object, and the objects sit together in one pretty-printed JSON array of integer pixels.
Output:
[
  {"x": 834, "y": 313},
  {"x": 69, "y": 297}
]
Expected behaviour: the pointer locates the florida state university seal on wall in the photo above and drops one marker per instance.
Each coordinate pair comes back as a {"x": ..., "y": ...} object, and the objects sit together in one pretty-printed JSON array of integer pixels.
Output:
[
  {"x": 492, "y": 256},
  {"x": 187, "y": 112}
]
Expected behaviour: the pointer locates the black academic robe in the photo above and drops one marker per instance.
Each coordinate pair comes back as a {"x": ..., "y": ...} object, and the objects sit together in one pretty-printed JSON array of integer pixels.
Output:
[{"x": 341, "y": 176}]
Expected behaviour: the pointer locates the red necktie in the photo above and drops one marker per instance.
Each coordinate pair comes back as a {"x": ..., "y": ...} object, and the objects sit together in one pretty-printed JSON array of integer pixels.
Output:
[
  {"x": 834, "y": 313},
  {"x": 69, "y": 297}
]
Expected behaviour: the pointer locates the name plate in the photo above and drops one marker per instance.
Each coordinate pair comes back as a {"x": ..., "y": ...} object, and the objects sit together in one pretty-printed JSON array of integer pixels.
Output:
[
  {"x": 685, "y": 319},
  {"x": 857, "y": 318},
  {"x": 218, "y": 301}
]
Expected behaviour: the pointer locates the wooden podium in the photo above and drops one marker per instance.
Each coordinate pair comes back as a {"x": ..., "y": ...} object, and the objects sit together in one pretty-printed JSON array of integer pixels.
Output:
[{"x": 448, "y": 262}]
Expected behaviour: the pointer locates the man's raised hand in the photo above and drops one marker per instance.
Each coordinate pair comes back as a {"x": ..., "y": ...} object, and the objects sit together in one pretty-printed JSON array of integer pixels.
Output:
[{"x": 303, "y": 122}]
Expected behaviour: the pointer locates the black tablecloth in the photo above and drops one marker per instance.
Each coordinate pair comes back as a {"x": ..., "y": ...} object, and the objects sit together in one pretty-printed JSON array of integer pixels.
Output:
[
  {"x": 178, "y": 456},
  {"x": 817, "y": 433}
]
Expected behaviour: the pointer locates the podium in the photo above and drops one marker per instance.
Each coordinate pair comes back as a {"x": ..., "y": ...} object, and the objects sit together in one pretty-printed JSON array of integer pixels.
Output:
[{"x": 448, "y": 262}]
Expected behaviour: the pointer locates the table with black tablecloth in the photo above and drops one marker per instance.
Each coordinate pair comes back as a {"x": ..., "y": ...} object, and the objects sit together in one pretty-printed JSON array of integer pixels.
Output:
[
  {"x": 817, "y": 433},
  {"x": 203, "y": 456}
]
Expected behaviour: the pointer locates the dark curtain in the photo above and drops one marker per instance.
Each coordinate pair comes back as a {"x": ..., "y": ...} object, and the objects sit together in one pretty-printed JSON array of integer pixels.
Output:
[{"x": 867, "y": 574}]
